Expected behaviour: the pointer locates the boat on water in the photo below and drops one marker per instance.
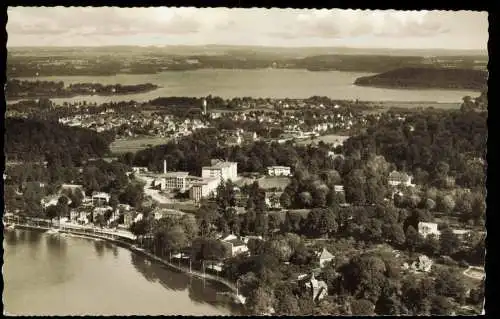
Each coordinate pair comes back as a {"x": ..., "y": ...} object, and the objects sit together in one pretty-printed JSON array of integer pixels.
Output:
[{"x": 53, "y": 231}]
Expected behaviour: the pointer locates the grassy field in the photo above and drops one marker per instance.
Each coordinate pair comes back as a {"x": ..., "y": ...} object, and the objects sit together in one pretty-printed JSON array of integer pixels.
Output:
[
  {"x": 267, "y": 182},
  {"x": 331, "y": 139},
  {"x": 136, "y": 144}
]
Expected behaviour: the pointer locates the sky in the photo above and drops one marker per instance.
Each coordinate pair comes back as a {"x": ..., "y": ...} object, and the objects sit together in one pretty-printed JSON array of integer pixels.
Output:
[{"x": 161, "y": 26}]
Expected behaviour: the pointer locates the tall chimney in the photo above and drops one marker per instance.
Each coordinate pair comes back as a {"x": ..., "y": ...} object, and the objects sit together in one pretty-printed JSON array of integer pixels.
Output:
[
  {"x": 204, "y": 107},
  {"x": 164, "y": 166}
]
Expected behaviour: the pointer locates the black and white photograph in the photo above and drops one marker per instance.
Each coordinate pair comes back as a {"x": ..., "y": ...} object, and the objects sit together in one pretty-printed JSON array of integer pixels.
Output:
[{"x": 244, "y": 161}]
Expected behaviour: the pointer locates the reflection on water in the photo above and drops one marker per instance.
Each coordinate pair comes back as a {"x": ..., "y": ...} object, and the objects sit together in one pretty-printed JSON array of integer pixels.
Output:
[
  {"x": 99, "y": 247},
  {"x": 198, "y": 290},
  {"x": 10, "y": 237},
  {"x": 42, "y": 270}
]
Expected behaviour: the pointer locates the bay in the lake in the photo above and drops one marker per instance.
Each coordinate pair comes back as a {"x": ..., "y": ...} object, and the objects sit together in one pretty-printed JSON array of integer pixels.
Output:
[
  {"x": 262, "y": 83},
  {"x": 53, "y": 275}
]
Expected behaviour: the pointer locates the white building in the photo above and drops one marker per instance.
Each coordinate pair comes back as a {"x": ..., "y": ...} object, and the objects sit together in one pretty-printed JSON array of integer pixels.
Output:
[
  {"x": 173, "y": 180},
  {"x": 203, "y": 188},
  {"x": 234, "y": 245},
  {"x": 221, "y": 170},
  {"x": 400, "y": 179},
  {"x": 426, "y": 229},
  {"x": 279, "y": 171}
]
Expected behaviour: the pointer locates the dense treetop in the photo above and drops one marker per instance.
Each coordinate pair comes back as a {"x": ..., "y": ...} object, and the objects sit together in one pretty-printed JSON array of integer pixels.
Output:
[{"x": 30, "y": 139}]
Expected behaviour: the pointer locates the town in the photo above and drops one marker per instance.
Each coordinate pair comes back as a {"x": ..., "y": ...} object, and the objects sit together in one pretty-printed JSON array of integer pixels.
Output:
[
  {"x": 246, "y": 162},
  {"x": 278, "y": 210}
]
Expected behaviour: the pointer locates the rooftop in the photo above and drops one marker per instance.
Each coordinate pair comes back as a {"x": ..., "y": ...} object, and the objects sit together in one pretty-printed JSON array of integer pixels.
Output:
[
  {"x": 175, "y": 174},
  {"x": 217, "y": 164},
  {"x": 325, "y": 254}
]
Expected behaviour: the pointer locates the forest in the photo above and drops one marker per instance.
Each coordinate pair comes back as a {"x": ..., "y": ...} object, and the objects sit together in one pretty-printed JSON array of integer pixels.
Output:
[
  {"x": 35, "y": 139},
  {"x": 33, "y": 89},
  {"x": 427, "y": 78}
]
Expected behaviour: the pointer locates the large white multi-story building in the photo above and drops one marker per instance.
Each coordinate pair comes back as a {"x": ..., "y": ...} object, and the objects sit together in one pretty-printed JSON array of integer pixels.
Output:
[
  {"x": 204, "y": 187},
  {"x": 221, "y": 170},
  {"x": 278, "y": 171}
]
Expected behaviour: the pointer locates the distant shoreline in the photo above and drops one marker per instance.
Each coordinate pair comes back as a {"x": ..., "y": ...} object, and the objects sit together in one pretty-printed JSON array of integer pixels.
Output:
[
  {"x": 415, "y": 88},
  {"x": 70, "y": 96}
]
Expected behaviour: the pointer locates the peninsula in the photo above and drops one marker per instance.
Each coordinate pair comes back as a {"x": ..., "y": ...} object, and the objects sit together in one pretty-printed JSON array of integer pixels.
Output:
[
  {"x": 427, "y": 78},
  {"x": 17, "y": 89}
]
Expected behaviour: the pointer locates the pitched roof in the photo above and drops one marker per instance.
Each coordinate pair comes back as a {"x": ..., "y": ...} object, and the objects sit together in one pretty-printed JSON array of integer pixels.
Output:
[
  {"x": 395, "y": 175},
  {"x": 325, "y": 254}
]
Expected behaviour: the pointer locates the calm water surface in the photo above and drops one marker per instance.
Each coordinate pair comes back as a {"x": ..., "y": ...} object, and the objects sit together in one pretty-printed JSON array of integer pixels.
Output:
[
  {"x": 52, "y": 275},
  {"x": 265, "y": 83}
]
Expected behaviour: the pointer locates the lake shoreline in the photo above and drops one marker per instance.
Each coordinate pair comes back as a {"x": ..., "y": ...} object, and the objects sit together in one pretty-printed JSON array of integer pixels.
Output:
[
  {"x": 413, "y": 88},
  {"x": 133, "y": 248},
  {"x": 76, "y": 95},
  {"x": 264, "y": 83}
]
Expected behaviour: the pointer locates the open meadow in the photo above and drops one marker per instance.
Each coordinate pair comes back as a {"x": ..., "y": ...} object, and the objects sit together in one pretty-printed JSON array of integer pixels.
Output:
[{"x": 136, "y": 144}]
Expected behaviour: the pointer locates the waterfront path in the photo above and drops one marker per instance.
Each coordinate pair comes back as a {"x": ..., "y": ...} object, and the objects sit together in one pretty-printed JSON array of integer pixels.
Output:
[{"x": 125, "y": 239}]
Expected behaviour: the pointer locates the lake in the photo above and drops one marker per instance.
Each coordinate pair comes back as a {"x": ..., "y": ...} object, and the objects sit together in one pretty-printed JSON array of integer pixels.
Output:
[
  {"x": 264, "y": 83},
  {"x": 53, "y": 275}
]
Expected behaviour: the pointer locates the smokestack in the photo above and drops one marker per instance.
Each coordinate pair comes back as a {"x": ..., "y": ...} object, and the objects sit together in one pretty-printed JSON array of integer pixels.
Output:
[
  {"x": 204, "y": 106},
  {"x": 164, "y": 166}
]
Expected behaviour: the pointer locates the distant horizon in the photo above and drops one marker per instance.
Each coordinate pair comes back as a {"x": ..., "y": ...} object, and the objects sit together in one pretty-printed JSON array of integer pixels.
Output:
[
  {"x": 256, "y": 27},
  {"x": 291, "y": 48}
]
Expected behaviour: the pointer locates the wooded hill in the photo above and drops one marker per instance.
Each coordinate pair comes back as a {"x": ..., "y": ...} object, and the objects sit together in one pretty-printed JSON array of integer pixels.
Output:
[{"x": 428, "y": 78}]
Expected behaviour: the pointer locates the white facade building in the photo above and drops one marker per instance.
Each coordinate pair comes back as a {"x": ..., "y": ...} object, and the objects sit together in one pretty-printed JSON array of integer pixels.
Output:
[
  {"x": 221, "y": 170},
  {"x": 279, "y": 171},
  {"x": 203, "y": 188},
  {"x": 173, "y": 180}
]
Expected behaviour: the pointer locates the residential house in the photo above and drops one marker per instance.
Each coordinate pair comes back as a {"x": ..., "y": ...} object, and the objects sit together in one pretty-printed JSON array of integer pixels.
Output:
[
  {"x": 273, "y": 200},
  {"x": 102, "y": 210},
  {"x": 235, "y": 245},
  {"x": 425, "y": 229},
  {"x": 278, "y": 171},
  {"x": 461, "y": 233},
  {"x": 338, "y": 188},
  {"x": 52, "y": 201},
  {"x": 137, "y": 169},
  {"x": 423, "y": 263},
  {"x": 72, "y": 188},
  {"x": 317, "y": 288},
  {"x": 100, "y": 198},
  {"x": 245, "y": 239},
  {"x": 128, "y": 218},
  {"x": 400, "y": 179},
  {"x": 324, "y": 257}
]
